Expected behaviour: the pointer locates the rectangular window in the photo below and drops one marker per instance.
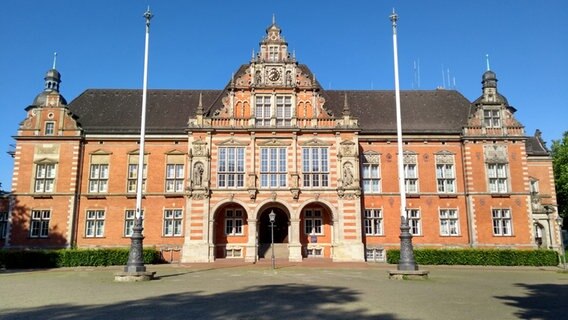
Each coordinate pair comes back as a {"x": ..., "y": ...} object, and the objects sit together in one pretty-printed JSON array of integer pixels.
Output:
[
  {"x": 375, "y": 254},
  {"x": 283, "y": 111},
  {"x": 313, "y": 222},
  {"x": 497, "y": 173},
  {"x": 173, "y": 222},
  {"x": 44, "y": 178},
  {"x": 445, "y": 178},
  {"x": 273, "y": 167},
  {"x": 449, "y": 223},
  {"x": 315, "y": 167},
  {"x": 491, "y": 118},
  {"x": 129, "y": 220},
  {"x": 133, "y": 177},
  {"x": 174, "y": 177},
  {"x": 234, "y": 222},
  {"x": 262, "y": 110},
  {"x": 39, "y": 224},
  {"x": 233, "y": 252},
  {"x": 272, "y": 53},
  {"x": 373, "y": 222},
  {"x": 98, "y": 178},
  {"x": 371, "y": 178},
  {"x": 502, "y": 222},
  {"x": 49, "y": 128},
  {"x": 3, "y": 224},
  {"x": 95, "y": 225},
  {"x": 414, "y": 221},
  {"x": 411, "y": 178},
  {"x": 231, "y": 167}
]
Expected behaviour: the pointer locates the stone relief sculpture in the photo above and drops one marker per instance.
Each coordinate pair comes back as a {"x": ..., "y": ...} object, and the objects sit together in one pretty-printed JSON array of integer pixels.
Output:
[
  {"x": 347, "y": 175},
  {"x": 198, "y": 174}
]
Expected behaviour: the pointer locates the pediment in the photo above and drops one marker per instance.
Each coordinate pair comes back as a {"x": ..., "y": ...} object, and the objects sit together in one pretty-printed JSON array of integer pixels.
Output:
[
  {"x": 233, "y": 143},
  {"x": 274, "y": 143},
  {"x": 315, "y": 142}
]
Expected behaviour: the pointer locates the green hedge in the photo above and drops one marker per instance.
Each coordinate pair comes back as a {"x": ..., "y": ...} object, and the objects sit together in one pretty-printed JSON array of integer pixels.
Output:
[
  {"x": 482, "y": 257},
  {"x": 26, "y": 259}
]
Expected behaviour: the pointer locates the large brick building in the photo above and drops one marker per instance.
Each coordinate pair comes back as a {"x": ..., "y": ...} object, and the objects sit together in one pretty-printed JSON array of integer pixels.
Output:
[{"x": 218, "y": 161}]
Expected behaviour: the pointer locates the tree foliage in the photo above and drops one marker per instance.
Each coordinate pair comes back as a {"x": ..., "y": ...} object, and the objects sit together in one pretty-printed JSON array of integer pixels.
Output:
[{"x": 560, "y": 164}]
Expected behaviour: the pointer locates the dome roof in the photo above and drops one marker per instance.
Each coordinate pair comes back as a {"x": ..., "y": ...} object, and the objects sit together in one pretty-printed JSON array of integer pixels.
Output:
[{"x": 41, "y": 98}]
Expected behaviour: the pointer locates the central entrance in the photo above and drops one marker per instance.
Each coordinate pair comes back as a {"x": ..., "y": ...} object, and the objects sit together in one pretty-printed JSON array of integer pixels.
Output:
[{"x": 280, "y": 227}]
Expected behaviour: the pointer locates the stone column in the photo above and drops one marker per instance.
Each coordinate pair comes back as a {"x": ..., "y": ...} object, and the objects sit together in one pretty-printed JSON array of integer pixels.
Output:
[
  {"x": 294, "y": 245},
  {"x": 252, "y": 243}
]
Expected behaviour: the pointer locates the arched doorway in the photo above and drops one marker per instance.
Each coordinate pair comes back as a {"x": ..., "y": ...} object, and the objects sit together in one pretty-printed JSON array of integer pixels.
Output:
[{"x": 281, "y": 224}]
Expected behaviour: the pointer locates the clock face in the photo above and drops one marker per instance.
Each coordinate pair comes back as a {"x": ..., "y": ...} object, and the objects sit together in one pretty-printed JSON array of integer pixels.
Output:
[{"x": 273, "y": 74}]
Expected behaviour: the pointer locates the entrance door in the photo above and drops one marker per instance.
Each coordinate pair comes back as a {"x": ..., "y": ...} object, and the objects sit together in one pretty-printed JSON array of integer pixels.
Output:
[{"x": 280, "y": 227}]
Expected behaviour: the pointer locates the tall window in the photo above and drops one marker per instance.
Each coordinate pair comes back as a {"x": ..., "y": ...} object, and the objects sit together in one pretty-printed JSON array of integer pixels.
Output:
[
  {"x": 129, "y": 220},
  {"x": 98, "y": 179},
  {"x": 497, "y": 173},
  {"x": 49, "y": 128},
  {"x": 449, "y": 223},
  {"x": 133, "y": 177},
  {"x": 492, "y": 118},
  {"x": 45, "y": 177},
  {"x": 174, "y": 177},
  {"x": 313, "y": 222},
  {"x": 283, "y": 111},
  {"x": 502, "y": 222},
  {"x": 3, "y": 224},
  {"x": 373, "y": 222},
  {"x": 273, "y": 167},
  {"x": 411, "y": 178},
  {"x": 414, "y": 221},
  {"x": 371, "y": 178},
  {"x": 315, "y": 167},
  {"x": 231, "y": 168},
  {"x": 445, "y": 178},
  {"x": 262, "y": 111},
  {"x": 95, "y": 226},
  {"x": 173, "y": 222},
  {"x": 39, "y": 224},
  {"x": 234, "y": 222},
  {"x": 272, "y": 53}
]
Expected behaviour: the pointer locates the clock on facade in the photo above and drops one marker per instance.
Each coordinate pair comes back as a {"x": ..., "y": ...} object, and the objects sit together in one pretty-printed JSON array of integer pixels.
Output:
[{"x": 273, "y": 74}]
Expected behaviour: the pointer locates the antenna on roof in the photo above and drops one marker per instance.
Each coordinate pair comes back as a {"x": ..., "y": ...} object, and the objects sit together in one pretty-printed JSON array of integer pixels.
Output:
[
  {"x": 487, "y": 62},
  {"x": 54, "y": 59}
]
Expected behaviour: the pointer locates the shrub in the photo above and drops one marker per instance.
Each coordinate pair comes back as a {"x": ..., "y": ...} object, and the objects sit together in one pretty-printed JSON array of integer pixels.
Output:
[
  {"x": 26, "y": 259},
  {"x": 484, "y": 257}
]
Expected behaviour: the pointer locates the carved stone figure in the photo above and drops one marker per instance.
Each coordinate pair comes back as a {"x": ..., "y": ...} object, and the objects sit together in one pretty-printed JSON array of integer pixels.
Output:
[
  {"x": 347, "y": 175},
  {"x": 198, "y": 174}
]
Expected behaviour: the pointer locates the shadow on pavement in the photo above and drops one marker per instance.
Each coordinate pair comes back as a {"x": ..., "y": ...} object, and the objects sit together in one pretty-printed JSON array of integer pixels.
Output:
[
  {"x": 291, "y": 301},
  {"x": 542, "y": 301}
]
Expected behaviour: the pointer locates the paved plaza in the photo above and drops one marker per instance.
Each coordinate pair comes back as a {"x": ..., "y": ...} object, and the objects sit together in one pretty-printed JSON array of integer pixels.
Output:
[{"x": 224, "y": 290}]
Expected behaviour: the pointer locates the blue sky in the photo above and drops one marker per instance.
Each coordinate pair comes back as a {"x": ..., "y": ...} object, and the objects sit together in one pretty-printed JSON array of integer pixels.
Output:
[{"x": 347, "y": 44}]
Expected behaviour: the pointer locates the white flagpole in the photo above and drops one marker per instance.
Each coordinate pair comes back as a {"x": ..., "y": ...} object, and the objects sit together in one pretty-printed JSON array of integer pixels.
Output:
[{"x": 140, "y": 174}]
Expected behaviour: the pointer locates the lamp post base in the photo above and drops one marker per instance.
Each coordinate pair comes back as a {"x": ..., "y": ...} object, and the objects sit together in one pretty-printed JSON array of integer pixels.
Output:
[
  {"x": 406, "y": 262},
  {"x": 135, "y": 269}
]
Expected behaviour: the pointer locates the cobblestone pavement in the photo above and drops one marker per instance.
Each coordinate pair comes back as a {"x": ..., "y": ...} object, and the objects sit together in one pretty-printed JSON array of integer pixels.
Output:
[{"x": 306, "y": 290}]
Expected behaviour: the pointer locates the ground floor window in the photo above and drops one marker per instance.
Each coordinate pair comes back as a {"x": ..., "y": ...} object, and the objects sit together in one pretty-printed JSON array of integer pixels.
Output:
[
  {"x": 233, "y": 252},
  {"x": 375, "y": 254},
  {"x": 449, "y": 223},
  {"x": 39, "y": 225},
  {"x": 129, "y": 220},
  {"x": 173, "y": 222},
  {"x": 502, "y": 222},
  {"x": 373, "y": 222},
  {"x": 95, "y": 225},
  {"x": 313, "y": 222},
  {"x": 234, "y": 222},
  {"x": 414, "y": 221},
  {"x": 314, "y": 252},
  {"x": 3, "y": 224}
]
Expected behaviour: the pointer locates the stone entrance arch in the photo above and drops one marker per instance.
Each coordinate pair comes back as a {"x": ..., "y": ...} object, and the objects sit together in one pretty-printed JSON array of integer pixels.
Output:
[
  {"x": 230, "y": 231},
  {"x": 281, "y": 224},
  {"x": 316, "y": 230}
]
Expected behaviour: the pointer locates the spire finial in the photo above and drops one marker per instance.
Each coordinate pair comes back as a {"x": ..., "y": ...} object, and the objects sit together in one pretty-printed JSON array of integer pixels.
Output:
[
  {"x": 200, "y": 104},
  {"x": 273, "y": 18},
  {"x": 487, "y": 62},
  {"x": 346, "y": 111},
  {"x": 54, "y": 59}
]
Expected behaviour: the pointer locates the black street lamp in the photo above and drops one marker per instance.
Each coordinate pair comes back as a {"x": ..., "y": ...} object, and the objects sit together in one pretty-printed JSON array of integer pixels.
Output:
[{"x": 272, "y": 216}]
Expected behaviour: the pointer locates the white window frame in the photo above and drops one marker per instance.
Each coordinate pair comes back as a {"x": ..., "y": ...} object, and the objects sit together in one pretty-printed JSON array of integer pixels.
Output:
[
  {"x": 231, "y": 167},
  {"x": 371, "y": 175},
  {"x": 173, "y": 223},
  {"x": 414, "y": 221},
  {"x": 98, "y": 178},
  {"x": 39, "y": 223},
  {"x": 49, "y": 128},
  {"x": 273, "y": 167},
  {"x": 502, "y": 222},
  {"x": 313, "y": 222},
  {"x": 283, "y": 110},
  {"x": 411, "y": 177},
  {"x": 497, "y": 174},
  {"x": 373, "y": 221},
  {"x": 233, "y": 252},
  {"x": 492, "y": 118},
  {"x": 234, "y": 222},
  {"x": 132, "y": 175},
  {"x": 44, "y": 181},
  {"x": 446, "y": 178},
  {"x": 3, "y": 224},
  {"x": 174, "y": 177},
  {"x": 375, "y": 254},
  {"x": 315, "y": 167},
  {"x": 95, "y": 224},
  {"x": 449, "y": 222},
  {"x": 130, "y": 220},
  {"x": 263, "y": 110},
  {"x": 273, "y": 53}
]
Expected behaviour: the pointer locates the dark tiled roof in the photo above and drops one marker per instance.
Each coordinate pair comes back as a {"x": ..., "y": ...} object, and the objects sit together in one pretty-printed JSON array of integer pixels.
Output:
[
  {"x": 118, "y": 111},
  {"x": 423, "y": 111},
  {"x": 535, "y": 147}
]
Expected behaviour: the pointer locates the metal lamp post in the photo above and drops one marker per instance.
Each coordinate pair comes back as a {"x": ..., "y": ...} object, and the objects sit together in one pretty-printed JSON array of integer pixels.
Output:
[{"x": 272, "y": 216}]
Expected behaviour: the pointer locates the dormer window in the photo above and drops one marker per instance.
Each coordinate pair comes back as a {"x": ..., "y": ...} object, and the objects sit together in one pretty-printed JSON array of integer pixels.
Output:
[
  {"x": 49, "y": 128},
  {"x": 273, "y": 53},
  {"x": 492, "y": 118}
]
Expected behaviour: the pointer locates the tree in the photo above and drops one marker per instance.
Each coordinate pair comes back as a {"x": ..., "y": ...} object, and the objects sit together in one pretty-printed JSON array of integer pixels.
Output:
[{"x": 560, "y": 165}]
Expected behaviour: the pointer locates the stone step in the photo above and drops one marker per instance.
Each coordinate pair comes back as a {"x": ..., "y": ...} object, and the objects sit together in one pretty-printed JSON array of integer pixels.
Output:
[{"x": 280, "y": 251}]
